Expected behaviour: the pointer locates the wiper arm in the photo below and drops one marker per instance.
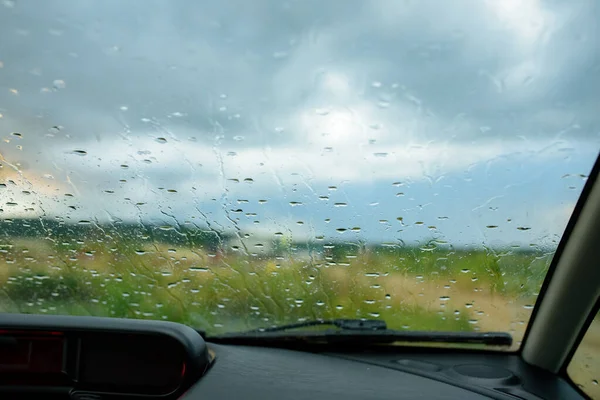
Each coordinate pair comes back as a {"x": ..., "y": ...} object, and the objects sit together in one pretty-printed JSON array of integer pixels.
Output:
[{"x": 361, "y": 332}]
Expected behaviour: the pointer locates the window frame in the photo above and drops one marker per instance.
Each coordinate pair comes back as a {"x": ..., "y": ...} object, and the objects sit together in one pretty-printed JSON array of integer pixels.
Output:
[{"x": 574, "y": 262}]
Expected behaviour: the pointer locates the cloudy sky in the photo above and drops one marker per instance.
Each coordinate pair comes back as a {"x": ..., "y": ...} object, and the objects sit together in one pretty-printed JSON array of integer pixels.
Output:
[{"x": 468, "y": 121}]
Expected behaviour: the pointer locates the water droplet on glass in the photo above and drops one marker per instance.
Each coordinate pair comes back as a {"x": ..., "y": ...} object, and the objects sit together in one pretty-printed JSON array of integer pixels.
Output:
[
  {"x": 161, "y": 140},
  {"x": 79, "y": 152},
  {"x": 59, "y": 84},
  {"x": 198, "y": 269}
]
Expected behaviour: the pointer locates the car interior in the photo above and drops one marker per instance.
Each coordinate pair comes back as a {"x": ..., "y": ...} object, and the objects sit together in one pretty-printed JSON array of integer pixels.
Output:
[{"x": 81, "y": 317}]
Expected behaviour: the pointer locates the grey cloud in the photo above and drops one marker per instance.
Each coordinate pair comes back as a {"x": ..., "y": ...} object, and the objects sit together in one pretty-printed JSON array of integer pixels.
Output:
[
  {"x": 161, "y": 57},
  {"x": 459, "y": 72}
]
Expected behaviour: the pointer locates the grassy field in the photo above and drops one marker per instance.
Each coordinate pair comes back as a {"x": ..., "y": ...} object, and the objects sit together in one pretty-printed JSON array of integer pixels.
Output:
[
  {"x": 411, "y": 288},
  {"x": 584, "y": 368}
]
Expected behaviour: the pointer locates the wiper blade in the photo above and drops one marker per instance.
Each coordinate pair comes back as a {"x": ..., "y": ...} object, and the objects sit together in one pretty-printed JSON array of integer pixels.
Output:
[
  {"x": 359, "y": 332},
  {"x": 345, "y": 324}
]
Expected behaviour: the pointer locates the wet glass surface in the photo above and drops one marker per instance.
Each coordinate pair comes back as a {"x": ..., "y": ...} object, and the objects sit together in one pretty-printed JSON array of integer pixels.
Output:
[{"x": 242, "y": 164}]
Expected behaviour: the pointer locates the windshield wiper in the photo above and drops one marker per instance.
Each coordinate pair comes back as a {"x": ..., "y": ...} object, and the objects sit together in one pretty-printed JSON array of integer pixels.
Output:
[
  {"x": 358, "y": 331},
  {"x": 345, "y": 324}
]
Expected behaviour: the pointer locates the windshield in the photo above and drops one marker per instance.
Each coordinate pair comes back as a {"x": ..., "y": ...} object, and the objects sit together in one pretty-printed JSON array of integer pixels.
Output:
[{"x": 234, "y": 165}]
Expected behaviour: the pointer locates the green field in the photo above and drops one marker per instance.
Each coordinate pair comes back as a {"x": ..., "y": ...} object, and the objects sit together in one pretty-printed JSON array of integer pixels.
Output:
[{"x": 209, "y": 284}]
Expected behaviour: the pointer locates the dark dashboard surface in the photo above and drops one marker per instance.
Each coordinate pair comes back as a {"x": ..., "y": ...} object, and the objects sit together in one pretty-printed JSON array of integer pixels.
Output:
[
  {"x": 262, "y": 373},
  {"x": 269, "y": 373},
  {"x": 61, "y": 357}
]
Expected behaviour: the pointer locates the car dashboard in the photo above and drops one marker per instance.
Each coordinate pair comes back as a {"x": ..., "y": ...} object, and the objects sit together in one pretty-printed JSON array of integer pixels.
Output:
[{"x": 88, "y": 358}]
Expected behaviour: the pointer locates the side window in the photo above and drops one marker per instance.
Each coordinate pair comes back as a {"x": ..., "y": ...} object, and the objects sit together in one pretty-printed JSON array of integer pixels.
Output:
[{"x": 584, "y": 368}]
